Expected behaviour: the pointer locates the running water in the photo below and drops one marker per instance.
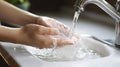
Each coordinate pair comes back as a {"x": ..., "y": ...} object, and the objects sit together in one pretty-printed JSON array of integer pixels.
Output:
[
  {"x": 75, "y": 19},
  {"x": 72, "y": 30}
]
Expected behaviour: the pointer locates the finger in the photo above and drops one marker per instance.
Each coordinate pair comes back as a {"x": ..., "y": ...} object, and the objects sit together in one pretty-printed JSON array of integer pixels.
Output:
[
  {"x": 41, "y": 21},
  {"x": 50, "y": 42},
  {"x": 48, "y": 31},
  {"x": 77, "y": 35},
  {"x": 62, "y": 42}
]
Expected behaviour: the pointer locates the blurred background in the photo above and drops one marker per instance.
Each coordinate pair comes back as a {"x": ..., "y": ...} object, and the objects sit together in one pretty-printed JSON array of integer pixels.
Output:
[
  {"x": 92, "y": 21},
  {"x": 57, "y": 6}
]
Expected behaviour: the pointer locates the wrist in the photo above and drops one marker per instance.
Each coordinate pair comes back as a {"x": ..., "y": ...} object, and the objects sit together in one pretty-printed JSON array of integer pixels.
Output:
[
  {"x": 8, "y": 34},
  {"x": 33, "y": 19},
  {"x": 29, "y": 19}
]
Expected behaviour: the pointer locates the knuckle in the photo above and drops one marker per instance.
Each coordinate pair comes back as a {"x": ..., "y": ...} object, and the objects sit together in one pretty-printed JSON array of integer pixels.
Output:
[{"x": 31, "y": 29}]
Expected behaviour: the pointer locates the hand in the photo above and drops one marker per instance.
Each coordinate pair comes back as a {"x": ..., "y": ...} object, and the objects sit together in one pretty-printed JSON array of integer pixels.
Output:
[
  {"x": 50, "y": 22},
  {"x": 40, "y": 36},
  {"x": 65, "y": 31}
]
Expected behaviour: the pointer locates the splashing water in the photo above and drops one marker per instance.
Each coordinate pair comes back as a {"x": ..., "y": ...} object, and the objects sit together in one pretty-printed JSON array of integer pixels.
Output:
[
  {"x": 75, "y": 19},
  {"x": 67, "y": 53}
]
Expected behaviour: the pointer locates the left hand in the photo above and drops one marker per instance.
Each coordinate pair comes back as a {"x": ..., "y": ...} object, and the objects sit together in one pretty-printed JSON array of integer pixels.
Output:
[
  {"x": 63, "y": 29},
  {"x": 50, "y": 22}
]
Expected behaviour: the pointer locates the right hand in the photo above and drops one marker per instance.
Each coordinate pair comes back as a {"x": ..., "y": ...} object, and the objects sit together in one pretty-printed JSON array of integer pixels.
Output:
[{"x": 39, "y": 36}]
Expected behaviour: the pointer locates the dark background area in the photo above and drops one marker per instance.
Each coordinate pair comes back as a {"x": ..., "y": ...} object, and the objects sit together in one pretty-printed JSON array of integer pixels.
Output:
[{"x": 56, "y": 5}]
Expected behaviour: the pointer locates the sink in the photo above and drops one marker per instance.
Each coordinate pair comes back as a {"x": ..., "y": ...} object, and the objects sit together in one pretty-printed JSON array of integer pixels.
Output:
[
  {"x": 107, "y": 55},
  {"x": 100, "y": 54},
  {"x": 85, "y": 48}
]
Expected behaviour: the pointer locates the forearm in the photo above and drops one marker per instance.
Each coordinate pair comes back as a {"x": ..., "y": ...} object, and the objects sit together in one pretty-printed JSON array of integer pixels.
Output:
[
  {"x": 12, "y": 14},
  {"x": 8, "y": 34}
]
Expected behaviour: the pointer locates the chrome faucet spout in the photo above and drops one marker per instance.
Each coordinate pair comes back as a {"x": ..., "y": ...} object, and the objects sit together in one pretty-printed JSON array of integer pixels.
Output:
[{"x": 109, "y": 9}]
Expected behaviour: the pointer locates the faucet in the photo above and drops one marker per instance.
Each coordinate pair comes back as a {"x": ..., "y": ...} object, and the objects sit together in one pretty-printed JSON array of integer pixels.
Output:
[{"x": 109, "y": 9}]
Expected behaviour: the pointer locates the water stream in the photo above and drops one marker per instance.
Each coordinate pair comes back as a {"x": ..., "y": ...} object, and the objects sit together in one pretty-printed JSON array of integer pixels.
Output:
[{"x": 75, "y": 19}]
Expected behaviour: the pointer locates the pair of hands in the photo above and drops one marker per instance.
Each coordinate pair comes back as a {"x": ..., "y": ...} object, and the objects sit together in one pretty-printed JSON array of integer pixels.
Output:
[
  {"x": 40, "y": 33},
  {"x": 44, "y": 33}
]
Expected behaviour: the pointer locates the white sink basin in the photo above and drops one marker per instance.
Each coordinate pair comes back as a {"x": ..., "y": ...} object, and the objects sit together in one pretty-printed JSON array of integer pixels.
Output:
[
  {"x": 109, "y": 55},
  {"x": 84, "y": 48}
]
